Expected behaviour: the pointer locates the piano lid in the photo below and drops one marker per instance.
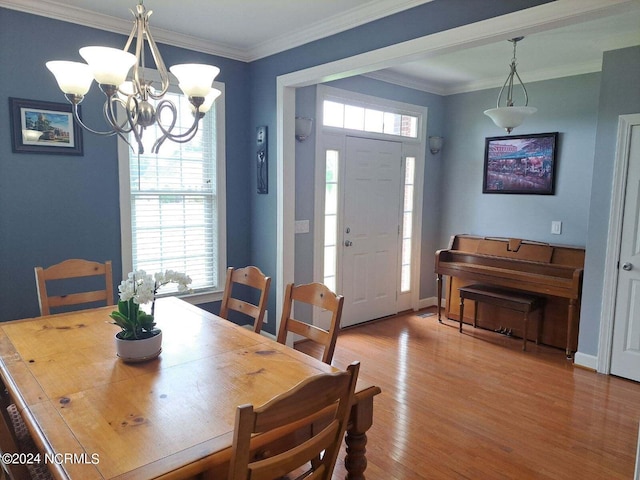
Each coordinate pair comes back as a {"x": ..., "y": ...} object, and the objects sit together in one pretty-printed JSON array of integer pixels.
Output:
[{"x": 519, "y": 249}]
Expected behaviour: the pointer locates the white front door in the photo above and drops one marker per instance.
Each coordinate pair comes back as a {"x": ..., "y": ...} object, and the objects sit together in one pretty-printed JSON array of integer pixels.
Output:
[
  {"x": 370, "y": 237},
  {"x": 625, "y": 354}
]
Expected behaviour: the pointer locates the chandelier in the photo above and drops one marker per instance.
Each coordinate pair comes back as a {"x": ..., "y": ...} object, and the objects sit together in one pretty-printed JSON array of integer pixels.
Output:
[
  {"x": 510, "y": 116},
  {"x": 128, "y": 105}
]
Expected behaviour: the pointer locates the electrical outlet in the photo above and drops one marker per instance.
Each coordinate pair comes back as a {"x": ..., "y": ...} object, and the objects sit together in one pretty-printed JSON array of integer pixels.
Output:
[
  {"x": 556, "y": 227},
  {"x": 266, "y": 317}
]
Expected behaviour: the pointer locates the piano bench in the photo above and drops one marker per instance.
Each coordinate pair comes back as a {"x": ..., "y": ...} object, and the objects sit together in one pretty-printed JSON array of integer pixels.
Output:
[{"x": 510, "y": 299}]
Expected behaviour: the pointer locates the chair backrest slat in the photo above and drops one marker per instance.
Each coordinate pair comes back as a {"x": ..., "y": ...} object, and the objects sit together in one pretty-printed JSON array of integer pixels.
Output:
[
  {"x": 251, "y": 277},
  {"x": 316, "y": 412},
  {"x": 68, "y": 269},
  {"x": 320, "y": 296}
]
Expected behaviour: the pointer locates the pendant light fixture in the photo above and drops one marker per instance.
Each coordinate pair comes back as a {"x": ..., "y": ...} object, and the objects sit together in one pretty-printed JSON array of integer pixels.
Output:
[
  {"x": 110, "y": 68},
  {"x": 511, "y": 116}
]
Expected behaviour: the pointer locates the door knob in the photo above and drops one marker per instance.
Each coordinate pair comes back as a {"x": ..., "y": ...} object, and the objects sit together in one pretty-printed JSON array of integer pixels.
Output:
[
  {"x": 348, "y": 243},
  {"x": 627, "y": 266}
]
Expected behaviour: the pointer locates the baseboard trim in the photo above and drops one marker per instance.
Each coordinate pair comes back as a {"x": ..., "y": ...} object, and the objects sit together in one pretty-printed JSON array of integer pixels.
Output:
[
  {"x": 430, "y": 302},
  {"x": 583, "y": 360}
]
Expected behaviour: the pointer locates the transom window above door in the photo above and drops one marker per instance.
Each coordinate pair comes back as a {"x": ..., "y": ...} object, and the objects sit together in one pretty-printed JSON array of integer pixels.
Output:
[{"x": 364, "y": 119}]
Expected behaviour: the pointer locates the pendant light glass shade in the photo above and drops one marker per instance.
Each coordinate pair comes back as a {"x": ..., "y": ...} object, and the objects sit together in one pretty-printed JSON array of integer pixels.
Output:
[{"x": 509, "y": 117}]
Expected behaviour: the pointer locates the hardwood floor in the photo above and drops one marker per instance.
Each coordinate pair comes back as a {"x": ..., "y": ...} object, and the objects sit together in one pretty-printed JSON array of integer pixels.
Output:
[{"x": 474, "y": 406}]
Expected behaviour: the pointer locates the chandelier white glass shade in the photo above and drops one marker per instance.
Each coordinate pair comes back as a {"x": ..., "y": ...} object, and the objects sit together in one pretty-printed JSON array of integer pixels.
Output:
[
  {"x": 110, "y": 68},
  {"x": 511, "y": 116}
]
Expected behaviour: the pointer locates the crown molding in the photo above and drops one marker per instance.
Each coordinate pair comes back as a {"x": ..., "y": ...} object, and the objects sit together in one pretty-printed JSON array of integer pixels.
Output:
[
  {"x": 407, "y": 81},
  {"x": 401, "y": 80},
  {"x": 66, "y": 13},
  {"x": 330, "y": 26},
  {"x": 338, "y": 23}
]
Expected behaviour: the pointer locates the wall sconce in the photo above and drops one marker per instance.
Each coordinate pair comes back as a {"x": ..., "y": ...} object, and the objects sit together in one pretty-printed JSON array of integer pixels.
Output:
[
  {"x": 303, "y": 128},
  {"x": 435, "y": 144}
]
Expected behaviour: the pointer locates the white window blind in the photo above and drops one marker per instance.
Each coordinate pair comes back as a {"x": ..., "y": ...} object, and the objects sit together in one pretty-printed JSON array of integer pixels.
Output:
[{"x": 174, "y": 205}]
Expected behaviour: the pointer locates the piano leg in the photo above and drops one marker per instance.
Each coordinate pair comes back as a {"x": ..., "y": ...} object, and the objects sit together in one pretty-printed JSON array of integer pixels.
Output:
[
  {"x": 570, "y": 327},
  {"x": 439, "y": 286}
]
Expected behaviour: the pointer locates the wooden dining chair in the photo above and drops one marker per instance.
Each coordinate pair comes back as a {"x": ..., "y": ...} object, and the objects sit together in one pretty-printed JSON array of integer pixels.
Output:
[
  {"x": 326, "y": 397},
  {"x": 74, "y": 268},
  {"x": 9, "y": 445},
  {"x": 318, "y": 295},
  {"x": 15, "y": 439},
  {"x": 250, "y": 277}
]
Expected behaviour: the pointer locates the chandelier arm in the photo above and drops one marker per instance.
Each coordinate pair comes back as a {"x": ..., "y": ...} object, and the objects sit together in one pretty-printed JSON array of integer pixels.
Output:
[
  {"x": 180, "y": 138},
  {"x": 140, "y": 86},
  {"x": 77, "y": 118},
  {"x": 132, "y": 34},
  {"x": 124, "y": 137},
  {"x": 167, "y": 131},
  {"x": 162, "y": 68},
  {"x": 137, "y": 133},
  {"x": 175, "y": 138},
  {"x": 119, "y": 128},
  {"x": 111, "y": 116},
  {"x": 174, "y": 116}
]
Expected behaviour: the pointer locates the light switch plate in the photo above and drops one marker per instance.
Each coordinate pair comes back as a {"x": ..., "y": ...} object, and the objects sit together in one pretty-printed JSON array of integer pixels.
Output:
[
  {"x": 302, "y": 226},
  {"x": 556, "y": 227}
]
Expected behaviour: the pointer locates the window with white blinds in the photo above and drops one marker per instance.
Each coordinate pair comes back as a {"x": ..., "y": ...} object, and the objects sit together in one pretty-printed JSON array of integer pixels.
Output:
[{"x": 175, "y": 203}]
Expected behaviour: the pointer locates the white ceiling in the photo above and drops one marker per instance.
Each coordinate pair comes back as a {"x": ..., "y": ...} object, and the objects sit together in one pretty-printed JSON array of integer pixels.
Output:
[{"x": 247, "y": 30}]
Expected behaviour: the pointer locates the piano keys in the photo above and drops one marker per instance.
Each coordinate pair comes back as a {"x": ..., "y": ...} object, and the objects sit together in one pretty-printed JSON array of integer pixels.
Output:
[{"x": 552, "y": 271}]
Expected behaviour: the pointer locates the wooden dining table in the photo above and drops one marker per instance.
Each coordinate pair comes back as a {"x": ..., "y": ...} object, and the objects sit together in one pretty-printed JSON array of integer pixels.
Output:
[{"x": 94, "y": 416}]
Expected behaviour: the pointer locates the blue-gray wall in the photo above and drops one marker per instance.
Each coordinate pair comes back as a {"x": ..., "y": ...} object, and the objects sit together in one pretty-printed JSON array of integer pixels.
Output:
[
  {"x": 566, "y": 105},
  {"x": 54, "y": 207},
  {"x": 619, "y": 95}
]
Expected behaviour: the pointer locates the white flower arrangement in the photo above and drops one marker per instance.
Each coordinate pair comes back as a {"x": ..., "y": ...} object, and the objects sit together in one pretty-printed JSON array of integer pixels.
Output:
[{"x": 137, "y": 289}]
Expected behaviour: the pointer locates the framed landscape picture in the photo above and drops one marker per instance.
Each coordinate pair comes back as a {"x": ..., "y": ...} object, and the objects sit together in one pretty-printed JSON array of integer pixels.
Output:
[
  {"x": 44, "y": 127},
  {"x": 521, "y": 164}
]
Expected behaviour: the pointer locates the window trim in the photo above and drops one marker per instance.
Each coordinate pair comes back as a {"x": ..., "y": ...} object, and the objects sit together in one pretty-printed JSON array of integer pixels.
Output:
[
  {"x": 125, "y": 203},
  {"x": 370, "y": 102}
]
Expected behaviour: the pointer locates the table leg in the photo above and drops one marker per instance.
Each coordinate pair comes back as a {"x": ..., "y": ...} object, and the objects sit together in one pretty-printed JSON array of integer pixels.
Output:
[
  {"x": 461, "y": 312},
  {"x": 356, "y": 439}
]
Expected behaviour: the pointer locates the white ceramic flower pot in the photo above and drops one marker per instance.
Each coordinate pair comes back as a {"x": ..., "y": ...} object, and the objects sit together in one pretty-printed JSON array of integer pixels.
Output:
[{"x": 133, "y": 351}]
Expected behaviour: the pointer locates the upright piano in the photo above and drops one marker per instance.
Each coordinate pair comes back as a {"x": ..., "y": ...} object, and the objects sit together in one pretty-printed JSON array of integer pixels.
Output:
[{"x": 550, "y": 271}]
